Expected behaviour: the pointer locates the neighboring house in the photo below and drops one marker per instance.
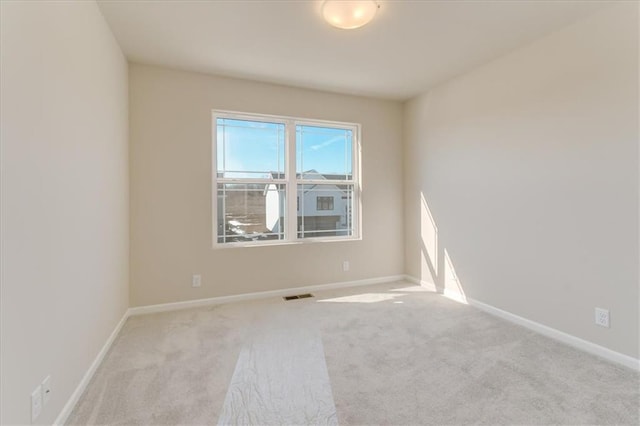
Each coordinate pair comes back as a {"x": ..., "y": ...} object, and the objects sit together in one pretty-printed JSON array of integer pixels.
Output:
[{"x": 325, "y": 208}]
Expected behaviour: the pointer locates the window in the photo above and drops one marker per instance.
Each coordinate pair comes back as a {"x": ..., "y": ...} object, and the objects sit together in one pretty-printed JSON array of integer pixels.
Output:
[
  {"x": 283, "y": 179},
  {"x": 324, "y": 203}
]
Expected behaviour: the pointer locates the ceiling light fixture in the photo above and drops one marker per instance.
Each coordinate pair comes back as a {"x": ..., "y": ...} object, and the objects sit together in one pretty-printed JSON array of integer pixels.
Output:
[{"x": 349, "y": 14}]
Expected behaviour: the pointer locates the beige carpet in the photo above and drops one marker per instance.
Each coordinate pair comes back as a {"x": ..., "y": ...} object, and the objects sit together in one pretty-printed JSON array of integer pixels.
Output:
[{"x": 393, "y": 354}]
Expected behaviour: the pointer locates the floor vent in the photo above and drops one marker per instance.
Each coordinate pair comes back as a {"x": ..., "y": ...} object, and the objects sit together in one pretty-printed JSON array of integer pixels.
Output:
[{"x": 298, "y": 296}]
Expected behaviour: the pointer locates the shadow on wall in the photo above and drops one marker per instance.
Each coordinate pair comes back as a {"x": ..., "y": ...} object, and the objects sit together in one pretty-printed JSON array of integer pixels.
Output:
[{"x": 436, "y": 267}]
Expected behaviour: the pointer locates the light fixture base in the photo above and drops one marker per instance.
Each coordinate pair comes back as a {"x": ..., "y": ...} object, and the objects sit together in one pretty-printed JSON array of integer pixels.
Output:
[{"x": 349, "y": 14}]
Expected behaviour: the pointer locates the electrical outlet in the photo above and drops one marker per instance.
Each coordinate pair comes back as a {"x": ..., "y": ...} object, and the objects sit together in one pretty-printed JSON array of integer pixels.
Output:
[
  {"x": 196, "y": 281},
  {"x": 345, "y": 266},
  {"x": 36, "y": 403},
  {"x": 46, "y": 390},
  {"x": 602, "y": 317}
]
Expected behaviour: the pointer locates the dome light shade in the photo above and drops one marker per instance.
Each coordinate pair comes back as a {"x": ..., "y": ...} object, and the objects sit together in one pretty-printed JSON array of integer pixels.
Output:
[{"x": 349, "y": 14}]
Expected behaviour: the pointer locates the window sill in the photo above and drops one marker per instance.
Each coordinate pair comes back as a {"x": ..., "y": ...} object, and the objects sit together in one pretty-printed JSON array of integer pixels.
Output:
[{"x": 222, "y": 246}]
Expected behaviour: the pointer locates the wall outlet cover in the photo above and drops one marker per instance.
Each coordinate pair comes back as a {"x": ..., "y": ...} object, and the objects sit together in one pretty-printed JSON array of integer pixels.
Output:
[
  {"x": 196, "y": 280},
  {"x": 602, "y": 317}
]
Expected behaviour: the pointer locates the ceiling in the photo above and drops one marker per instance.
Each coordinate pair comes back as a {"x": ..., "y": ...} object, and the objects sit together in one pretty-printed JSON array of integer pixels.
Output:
[{"x": 409, "y": 47}]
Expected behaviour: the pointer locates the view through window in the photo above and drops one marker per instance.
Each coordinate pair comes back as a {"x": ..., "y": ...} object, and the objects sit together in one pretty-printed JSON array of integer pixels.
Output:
[{"x": 262, "y": 162}]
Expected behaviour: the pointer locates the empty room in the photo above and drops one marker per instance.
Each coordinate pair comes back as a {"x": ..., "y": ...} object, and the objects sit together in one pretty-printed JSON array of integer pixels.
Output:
[{"x": 301, "y": 212}]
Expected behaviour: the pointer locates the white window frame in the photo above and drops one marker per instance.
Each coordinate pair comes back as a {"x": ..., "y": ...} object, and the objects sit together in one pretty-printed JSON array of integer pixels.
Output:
[{"x": 291, "y": 181}]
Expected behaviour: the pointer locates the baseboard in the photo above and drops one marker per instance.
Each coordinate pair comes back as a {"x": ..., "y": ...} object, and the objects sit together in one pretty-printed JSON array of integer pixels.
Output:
[
  {"x": 561, "y": 336},
  {"x": 566, "y": 338},
  {"x": 148, "y": 309},
  {"x": 426, "y": 284},
  {"x": 77, "y": 393}
]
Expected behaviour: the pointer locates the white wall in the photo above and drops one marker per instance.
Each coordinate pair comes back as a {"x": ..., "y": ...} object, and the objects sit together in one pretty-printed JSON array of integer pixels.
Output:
[
  {"x": 64, "y": 198},
  {"x": 529, "y": 167},
  {"x": 171, "y": 189}
]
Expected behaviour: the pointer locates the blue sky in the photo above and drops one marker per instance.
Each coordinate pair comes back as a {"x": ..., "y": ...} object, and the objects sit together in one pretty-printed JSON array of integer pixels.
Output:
[{"x": 245, "y": 146}]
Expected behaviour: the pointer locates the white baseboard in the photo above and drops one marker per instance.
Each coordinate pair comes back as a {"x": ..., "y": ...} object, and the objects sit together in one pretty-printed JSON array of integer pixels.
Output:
[
  {"x": 561, "y": 336},
  {"x": 139, "y": 310},
  {"x": 566, "y": 338},
  {"x": 426, "y": 284},
  {"x": 77, "y": 393}
]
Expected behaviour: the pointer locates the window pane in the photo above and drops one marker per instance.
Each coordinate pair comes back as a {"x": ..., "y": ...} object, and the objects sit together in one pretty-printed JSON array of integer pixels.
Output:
[
  {"x": 325, "y": 210},
  {"x": 250, "y": 212},
  {"x": 324, "y": 203},
  {"x": 324, "y": 152},
  {"x": 250, "y": 149}
]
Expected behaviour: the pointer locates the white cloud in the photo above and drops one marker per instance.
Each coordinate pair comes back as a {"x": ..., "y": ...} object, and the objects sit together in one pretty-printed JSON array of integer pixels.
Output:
[{"x": 327, "y": 143}]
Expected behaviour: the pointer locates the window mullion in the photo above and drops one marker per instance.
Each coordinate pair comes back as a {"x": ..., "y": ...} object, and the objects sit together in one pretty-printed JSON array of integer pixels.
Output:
[{"x": 292, "y": 182}]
